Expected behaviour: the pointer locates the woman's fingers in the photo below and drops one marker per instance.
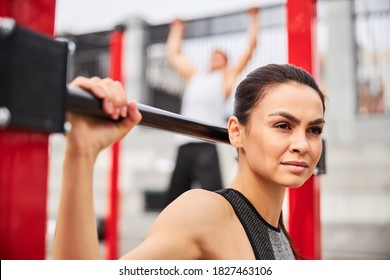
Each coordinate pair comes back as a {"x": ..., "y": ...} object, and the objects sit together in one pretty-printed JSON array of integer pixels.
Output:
[
  {"x": 253, "y": 10},
  {"x": 115, "y": 101},
  {"x": 133, "y": 114},
  {"x": 177, "y": 23},
  {"x": 114, "y": 98},
  {"x": 121, "y": 92},
  {"x": 112, "y": 93},
  {"x": 132, "y": 119},
  {"x": 90, "y": 84}
]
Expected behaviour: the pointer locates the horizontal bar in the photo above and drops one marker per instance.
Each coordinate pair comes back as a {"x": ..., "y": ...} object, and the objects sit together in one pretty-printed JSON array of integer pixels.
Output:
[
  {"x": 216, "y": 25},
  {"x": 80, "y": 101}
]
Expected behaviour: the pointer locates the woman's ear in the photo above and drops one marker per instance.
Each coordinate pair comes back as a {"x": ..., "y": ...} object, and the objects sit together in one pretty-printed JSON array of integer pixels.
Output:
[{"x": 235, "y": 130}]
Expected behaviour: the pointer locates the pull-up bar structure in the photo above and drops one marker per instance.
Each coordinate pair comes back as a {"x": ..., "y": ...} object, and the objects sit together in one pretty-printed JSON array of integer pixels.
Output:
[{"x": 34, "y": 97}]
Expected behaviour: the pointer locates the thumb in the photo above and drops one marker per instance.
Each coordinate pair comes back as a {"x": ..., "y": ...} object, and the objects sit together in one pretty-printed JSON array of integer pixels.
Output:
[{"x": 133, "y": 116}]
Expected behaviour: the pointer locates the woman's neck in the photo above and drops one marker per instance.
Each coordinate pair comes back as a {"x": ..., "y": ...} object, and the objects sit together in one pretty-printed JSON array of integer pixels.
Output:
[{"x": 265, "y": 196}]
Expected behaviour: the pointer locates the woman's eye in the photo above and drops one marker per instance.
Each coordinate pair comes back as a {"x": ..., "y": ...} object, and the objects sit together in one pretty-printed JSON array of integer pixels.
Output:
[
  {"x": 315, "y": 130},
  {"x": 283, "y": 126}
]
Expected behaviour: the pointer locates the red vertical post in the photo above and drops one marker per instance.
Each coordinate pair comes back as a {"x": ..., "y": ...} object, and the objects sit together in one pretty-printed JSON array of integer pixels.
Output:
[
  {"x": 304, "y": 203},
  {"x": 24, "y": 159},
  {"x": 112, "y": 229}
]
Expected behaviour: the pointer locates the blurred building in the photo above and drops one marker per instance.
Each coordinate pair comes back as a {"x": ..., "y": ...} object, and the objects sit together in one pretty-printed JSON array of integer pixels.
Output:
[{"x": 356, "y": 75}]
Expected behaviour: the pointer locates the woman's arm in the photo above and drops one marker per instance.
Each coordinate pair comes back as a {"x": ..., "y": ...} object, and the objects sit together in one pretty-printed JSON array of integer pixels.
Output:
[
  {"x": 76, "y": 232},
  {"x": 180, "y": 231}
]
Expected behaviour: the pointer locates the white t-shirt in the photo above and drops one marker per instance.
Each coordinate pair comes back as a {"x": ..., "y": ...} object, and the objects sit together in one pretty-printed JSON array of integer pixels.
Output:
[{"x": 204, "y": 100}]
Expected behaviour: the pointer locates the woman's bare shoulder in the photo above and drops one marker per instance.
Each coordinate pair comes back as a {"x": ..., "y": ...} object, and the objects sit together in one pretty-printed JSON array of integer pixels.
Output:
[
  {"x": 184, "y": 227},
  {"x": 202, "y": 202},
  {"x": 199, "y": 210}
]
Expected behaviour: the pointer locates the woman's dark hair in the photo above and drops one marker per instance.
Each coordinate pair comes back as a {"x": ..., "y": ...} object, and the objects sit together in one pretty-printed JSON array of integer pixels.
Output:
[
  {"x": 256, "y": 84},
  {"x": 253, "y": 89}
]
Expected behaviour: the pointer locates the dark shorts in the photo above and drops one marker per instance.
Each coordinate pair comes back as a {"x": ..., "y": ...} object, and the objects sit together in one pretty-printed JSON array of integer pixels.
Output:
[{"x": 195, "y": 163}]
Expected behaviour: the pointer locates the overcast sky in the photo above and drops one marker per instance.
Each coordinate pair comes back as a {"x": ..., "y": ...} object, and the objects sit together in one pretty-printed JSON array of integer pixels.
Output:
[{"x": 81, "y": 16}]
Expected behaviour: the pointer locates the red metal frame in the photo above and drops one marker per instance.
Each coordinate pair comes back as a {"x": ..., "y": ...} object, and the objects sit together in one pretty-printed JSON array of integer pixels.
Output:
[
  {"x": 304, "y": 203},
  {"x": 37, "y": 15},
  {"x": 24, "y": 154},
  {"x": 112, "y": 229},
  {"x": 24, "y": 159}
]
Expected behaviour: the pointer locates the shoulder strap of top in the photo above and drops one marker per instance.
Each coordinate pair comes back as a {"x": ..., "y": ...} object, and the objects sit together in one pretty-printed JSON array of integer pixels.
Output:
[{"x": 250, "y": 219}]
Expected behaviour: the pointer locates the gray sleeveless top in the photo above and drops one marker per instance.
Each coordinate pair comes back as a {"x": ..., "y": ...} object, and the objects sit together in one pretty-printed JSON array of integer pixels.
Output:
[{"x": 268, "y": 242}]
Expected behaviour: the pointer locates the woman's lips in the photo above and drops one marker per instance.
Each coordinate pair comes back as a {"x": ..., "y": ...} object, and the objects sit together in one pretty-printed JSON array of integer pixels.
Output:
[{"x": 296, "y": 166}]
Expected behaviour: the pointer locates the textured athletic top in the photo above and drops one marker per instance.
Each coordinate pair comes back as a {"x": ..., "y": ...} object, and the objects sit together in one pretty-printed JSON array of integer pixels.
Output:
[{"x": 268, "y": 242}]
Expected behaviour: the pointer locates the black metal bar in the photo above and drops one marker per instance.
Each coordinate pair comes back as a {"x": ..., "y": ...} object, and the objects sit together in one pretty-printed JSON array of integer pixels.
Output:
[{"x": 82, "y": 102}]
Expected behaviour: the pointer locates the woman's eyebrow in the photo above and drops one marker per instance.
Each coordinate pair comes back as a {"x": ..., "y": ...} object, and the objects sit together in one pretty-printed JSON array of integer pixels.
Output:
[
  {"x": 317, "y": 121},
  {"x": 294, "y": 119},
  {"x": 285, "y": 115}
]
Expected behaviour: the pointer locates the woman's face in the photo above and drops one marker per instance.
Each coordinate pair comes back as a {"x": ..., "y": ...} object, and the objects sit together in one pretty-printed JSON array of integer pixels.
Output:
[{"x": 282, "y": 141}]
